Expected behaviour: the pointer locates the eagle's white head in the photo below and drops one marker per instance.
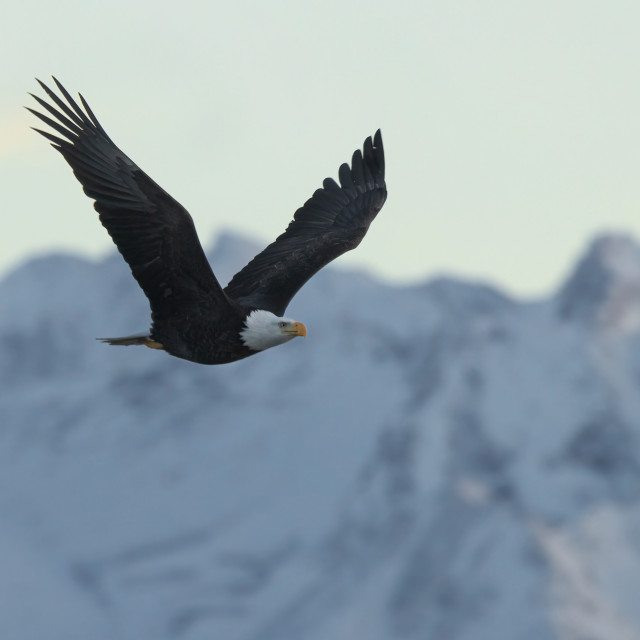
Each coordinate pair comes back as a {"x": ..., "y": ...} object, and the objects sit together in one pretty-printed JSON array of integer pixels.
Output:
[{"x": 263, "y": 329}]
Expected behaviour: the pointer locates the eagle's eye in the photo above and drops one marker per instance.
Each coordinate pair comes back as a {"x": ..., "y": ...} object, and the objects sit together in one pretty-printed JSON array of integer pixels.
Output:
[{"x": 282, "y": 325}]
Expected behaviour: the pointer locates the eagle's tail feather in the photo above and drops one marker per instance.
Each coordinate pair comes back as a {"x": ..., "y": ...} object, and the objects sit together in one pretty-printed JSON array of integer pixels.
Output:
[{"x": 137, "y": 339}]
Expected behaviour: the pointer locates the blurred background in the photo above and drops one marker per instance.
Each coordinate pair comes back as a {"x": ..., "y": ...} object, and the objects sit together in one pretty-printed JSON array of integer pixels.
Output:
[
  {"x": 454, "y": 451},
  {"x": 511, "y": 129}
]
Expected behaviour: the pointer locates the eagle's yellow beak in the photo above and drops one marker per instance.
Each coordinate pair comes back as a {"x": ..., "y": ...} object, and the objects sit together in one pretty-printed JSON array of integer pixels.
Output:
[{"x": 299, "y": 329}]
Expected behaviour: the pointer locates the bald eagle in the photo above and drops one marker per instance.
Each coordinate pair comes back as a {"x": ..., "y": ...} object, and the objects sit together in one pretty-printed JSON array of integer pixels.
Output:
[{"x": 192, "y": 316}]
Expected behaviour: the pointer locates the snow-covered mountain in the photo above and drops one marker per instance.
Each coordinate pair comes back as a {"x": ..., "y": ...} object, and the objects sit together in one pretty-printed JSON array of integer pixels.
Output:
[{"x": 433, "y": 462}]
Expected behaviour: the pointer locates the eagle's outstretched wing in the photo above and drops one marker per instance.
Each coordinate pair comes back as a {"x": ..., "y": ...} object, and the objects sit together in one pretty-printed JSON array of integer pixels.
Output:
[
  {"x": 153, "y": 232},
  {"x": 332, "y": 221}
]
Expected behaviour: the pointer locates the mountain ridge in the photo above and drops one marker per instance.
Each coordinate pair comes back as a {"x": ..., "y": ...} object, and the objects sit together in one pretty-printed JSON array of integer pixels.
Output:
[{"x": 438, "y": 460}]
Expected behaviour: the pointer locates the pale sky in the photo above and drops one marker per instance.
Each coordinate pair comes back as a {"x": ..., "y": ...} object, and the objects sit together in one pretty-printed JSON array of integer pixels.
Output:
[{"x": 511, "y": 129}]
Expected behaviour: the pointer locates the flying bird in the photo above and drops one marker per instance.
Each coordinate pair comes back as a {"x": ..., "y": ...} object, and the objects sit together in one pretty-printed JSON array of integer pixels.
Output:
[{"x": 192, "y": 316}]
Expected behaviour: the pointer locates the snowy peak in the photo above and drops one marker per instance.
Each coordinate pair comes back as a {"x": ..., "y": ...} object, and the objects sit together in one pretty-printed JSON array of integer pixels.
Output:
[
  {"x": 604, "y": 289},
  {"x": 230, "y": 253},
  {"x": 433, "y": 462},
  {"x": 466, "y": 298}
]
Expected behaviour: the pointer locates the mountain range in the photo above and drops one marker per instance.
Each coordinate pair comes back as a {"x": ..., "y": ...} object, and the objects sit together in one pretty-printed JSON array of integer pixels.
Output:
[{"x": 434, "y": 462}]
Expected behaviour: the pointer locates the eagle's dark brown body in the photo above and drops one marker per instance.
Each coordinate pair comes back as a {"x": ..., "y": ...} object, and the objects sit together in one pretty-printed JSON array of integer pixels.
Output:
[
  {"x": 192, "y": 316},
  {"x": 196, "y": 338}
]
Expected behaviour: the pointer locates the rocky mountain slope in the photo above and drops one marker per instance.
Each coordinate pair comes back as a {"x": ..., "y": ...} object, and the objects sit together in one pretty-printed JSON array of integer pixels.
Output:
[{"x": 432, "y": 462}]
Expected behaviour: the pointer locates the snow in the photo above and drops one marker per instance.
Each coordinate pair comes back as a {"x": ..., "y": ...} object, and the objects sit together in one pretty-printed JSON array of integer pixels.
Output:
[
  {"x": 37, "y": 598},
  {"x": 435, "y": 461}
]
